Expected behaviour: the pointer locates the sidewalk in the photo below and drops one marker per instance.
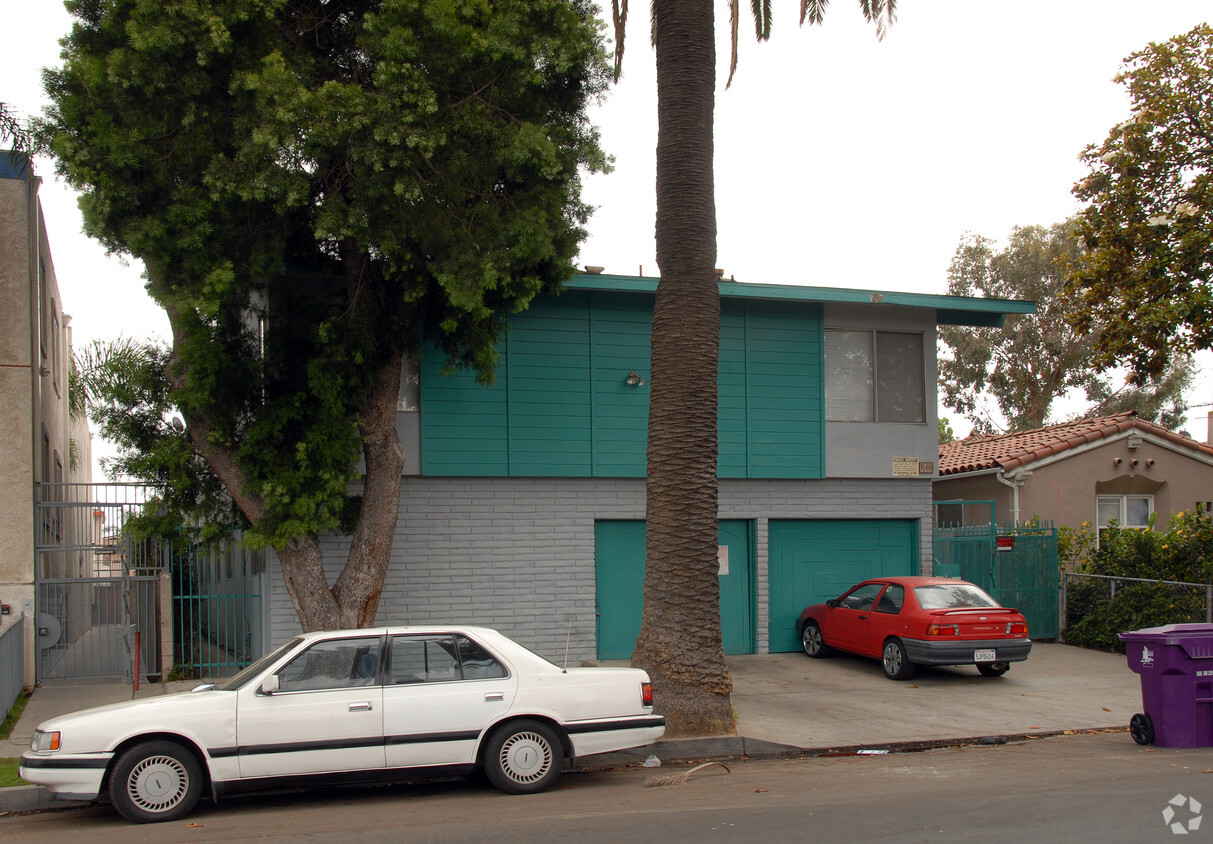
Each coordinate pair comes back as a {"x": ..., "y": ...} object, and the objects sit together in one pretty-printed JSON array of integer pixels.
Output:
[{"x": 788, "y": 704}]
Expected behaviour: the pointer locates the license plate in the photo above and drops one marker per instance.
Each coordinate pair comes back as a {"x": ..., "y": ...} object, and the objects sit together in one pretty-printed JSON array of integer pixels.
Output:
[{"x": 984, "y": 656}]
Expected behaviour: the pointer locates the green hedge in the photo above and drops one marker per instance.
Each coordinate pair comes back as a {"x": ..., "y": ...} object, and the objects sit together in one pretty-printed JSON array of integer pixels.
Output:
[{"x": 1184, "y": 553}]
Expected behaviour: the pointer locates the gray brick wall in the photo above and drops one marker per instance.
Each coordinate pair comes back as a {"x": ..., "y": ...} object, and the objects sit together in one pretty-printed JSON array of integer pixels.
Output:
[{"x": 517, "y": 554}]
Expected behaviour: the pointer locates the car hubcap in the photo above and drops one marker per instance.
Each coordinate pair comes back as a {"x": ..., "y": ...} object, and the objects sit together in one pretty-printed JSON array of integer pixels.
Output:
[
  {"x": 157, "y": 783},
  {"x": 812, "y": 640},
  {"x": 526, "y": 757},
  {"x": 892, "y": 658}
]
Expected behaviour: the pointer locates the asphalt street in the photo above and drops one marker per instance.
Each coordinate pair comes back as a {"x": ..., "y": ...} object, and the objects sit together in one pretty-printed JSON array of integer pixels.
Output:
[{"x": 1089, "y": 787}]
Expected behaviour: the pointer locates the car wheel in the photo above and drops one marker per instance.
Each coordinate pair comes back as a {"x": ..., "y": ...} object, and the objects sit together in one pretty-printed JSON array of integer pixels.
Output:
[
  {"x": 523, "y": 757},
  {"x": 155, "y": 781},
  {"x": 993, "y": 669},
  {"x": 896, "y": 665},
  {"x": 1141, "y": 727},
  {"x": 810, "y": 638}
]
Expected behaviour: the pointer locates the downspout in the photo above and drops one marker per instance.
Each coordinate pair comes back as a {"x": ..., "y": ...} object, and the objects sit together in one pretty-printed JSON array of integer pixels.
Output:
[{"x": 1014, "y": 481}]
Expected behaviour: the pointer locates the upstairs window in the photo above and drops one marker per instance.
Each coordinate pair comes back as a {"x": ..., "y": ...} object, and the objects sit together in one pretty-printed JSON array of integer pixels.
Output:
[{"x": 874, "y": 376}]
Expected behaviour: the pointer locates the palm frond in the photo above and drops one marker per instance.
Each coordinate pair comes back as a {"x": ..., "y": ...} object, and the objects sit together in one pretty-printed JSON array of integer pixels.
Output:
[
  {"x": 619, "y": 16},
  {"x": 762, "y": 18},
  {"x": 814, "y": 10},
  {"x": 734, "y": 14},
  {"x": 881, "y": 12}
]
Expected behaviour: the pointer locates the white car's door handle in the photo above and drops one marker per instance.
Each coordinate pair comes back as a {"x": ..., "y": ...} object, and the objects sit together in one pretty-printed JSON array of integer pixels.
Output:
[
  {"x": 362, "y": 706},
  {"x": 491, "y": 696}
]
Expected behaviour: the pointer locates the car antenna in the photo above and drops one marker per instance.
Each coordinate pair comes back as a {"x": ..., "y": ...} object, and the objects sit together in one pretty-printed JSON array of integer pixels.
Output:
[{"x": 564, "y": 669}]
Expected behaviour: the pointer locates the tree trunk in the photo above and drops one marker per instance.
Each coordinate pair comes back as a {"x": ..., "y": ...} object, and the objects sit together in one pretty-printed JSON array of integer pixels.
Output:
[
  {"x": 361, "y": 582},
  {"x": 680, "y": 640},
  {"x": 354, "y": 600}
]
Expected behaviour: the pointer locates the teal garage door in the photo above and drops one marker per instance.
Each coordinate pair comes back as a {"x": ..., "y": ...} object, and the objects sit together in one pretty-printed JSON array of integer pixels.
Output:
[
  {"x": 812, "y": 561},
  {"x": 619, "y": 576}
]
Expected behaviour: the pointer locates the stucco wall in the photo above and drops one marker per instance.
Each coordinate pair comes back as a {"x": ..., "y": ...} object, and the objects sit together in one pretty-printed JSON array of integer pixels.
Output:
[
  {"x": 518, "y": 554},
  {"x": 30, "y": 402},
  {"x": 16, "y": 396},
  {"x": 1065, "y": 489}
]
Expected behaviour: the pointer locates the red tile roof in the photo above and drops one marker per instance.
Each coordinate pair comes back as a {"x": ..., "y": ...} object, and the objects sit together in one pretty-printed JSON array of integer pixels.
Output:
[{"x": 1010, "y": 451}]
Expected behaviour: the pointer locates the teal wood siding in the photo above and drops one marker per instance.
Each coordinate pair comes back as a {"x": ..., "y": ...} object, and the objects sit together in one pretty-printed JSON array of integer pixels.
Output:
[
  {"x": 561, "y": 406},
  {"x": 464, "y": 425},
  {"x": 772, "y": 412},
  {"x": 732, "y": 410},
  {"x": 620, "y": 328},
  {"x": 547, "y": 358}
]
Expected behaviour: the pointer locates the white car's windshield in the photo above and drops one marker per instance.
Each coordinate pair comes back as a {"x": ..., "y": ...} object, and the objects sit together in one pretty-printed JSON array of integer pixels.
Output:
[{"x": 237, "y": 680}]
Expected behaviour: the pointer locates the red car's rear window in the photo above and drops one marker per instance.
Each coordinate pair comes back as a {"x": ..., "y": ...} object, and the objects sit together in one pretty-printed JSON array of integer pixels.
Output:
[{"x": 952, "y": 596}]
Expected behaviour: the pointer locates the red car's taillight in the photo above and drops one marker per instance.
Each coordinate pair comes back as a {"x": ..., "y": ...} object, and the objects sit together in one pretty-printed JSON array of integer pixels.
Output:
[
  {"x": 1017, "y": 628},
  {"x": 646, "y": 694},
  {"x": 943, "y": 630}
]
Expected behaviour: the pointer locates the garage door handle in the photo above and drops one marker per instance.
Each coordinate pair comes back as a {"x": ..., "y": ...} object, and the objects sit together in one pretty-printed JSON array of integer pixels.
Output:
[
  {"x": 492, "y": 696},
  {"x": 363, "y": 706}
]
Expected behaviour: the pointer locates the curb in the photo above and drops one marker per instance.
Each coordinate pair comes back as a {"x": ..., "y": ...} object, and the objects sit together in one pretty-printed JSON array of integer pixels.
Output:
[{"x": 35, "y": 798}]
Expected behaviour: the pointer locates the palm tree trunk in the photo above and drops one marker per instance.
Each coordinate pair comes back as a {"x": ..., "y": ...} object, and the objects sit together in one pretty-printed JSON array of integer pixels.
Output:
[{"x": 680, "y": 640}]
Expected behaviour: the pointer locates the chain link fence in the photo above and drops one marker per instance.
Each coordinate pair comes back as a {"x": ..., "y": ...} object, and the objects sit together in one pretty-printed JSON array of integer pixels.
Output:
[{"x": 1097, "y": 607}]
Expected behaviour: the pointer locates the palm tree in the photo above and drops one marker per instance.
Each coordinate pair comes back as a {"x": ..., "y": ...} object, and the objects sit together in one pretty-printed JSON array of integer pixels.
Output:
[{"x": 680, "y": 641}]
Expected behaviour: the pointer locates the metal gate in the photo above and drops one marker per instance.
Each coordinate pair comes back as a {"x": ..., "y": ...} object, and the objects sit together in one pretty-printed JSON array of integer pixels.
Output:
[
  {"x": 1021, "y": 571},
  {"x": 95, "y": 586},
  {"x": 105, "y": 594}
]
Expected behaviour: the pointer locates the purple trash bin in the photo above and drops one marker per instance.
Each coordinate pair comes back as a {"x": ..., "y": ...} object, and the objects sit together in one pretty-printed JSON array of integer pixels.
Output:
[{"x": 1175, "y": 663}]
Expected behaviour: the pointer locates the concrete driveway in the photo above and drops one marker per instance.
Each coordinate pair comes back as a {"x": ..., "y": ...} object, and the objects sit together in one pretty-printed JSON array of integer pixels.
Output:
[{"x": 845, "y": 701}]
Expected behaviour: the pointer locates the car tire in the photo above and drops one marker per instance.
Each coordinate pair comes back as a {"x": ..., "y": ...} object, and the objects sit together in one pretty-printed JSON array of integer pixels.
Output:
[
  {"x": 523, "y": 757},
  {"x": 812, "y": 642},
  {"x": 897, "y": 665},
  {"x": 1141, "y": 727},
  {"x": 155, "y": 781},
  {"x": 993, "y": 669}
]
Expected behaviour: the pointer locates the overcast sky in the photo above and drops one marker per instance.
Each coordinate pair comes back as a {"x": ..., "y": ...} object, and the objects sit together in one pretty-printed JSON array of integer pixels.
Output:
[{"x": 841, "y": 161}]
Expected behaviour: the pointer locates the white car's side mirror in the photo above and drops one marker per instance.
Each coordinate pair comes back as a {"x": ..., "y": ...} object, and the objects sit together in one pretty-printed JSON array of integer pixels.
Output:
[{"x": 269, "y": 685}]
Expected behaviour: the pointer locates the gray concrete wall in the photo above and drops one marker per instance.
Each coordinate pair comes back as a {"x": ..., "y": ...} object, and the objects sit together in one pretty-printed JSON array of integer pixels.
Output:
[{"x": 518, "y": 553}]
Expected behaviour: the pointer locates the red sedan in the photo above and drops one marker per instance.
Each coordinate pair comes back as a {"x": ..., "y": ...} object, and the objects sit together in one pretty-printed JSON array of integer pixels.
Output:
[{"x": 910, "y": 621}]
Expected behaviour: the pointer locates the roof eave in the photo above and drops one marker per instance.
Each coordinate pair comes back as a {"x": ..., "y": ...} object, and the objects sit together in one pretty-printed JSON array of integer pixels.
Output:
[{"x": 949, "y": 310}]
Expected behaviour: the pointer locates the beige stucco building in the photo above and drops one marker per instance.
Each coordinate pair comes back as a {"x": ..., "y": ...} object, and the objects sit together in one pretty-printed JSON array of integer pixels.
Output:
[
  {"x": 1111, "y": 468},
  {"x": 39, "y": 440}
]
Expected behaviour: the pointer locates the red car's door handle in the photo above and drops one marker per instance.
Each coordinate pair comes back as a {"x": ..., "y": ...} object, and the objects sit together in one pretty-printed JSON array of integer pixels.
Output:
[{"x": 863, "y": 618}]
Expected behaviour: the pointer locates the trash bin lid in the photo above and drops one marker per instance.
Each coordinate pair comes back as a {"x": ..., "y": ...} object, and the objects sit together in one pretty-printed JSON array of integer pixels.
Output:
[{"x": 1195, "y": 639}]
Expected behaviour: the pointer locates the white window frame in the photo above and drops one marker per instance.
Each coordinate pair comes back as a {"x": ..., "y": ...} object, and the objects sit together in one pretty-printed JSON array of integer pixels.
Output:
[{"x": 1122, "y": 517}]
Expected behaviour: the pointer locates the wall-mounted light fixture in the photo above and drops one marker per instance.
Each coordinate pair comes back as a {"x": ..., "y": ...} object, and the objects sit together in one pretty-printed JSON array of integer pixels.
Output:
[{"x": 634, "y": 380}]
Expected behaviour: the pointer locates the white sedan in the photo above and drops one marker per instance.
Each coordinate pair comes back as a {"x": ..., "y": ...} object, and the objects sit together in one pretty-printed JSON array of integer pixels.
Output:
[{"x": 349, "y": 705}]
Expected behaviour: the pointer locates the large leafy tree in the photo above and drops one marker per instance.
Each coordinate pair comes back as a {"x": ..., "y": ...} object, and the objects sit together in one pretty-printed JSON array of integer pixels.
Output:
[
  {"x": 680, "y": 639},
  {"x": 1147, "y": 231},
  {"x": 316, "y": 188},
  {"x": 1032, "y": 360}
]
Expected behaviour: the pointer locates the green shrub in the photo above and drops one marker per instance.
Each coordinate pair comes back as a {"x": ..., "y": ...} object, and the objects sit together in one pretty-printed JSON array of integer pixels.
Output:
[
  {"x": 1136, "y": 606},
  {"x": 1184, "y": 553}
]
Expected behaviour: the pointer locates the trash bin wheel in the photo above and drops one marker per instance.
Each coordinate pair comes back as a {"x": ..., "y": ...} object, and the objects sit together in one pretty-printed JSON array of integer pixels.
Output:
[{"x": 1141, "y": 727}]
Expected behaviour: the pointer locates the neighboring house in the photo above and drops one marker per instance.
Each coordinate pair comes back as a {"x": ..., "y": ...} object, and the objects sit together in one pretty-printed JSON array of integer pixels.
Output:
[
  {"x": 39, "y": 441},
  {"x": 522, "y": 505},
  {"x": 1111, "y": 468}
]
